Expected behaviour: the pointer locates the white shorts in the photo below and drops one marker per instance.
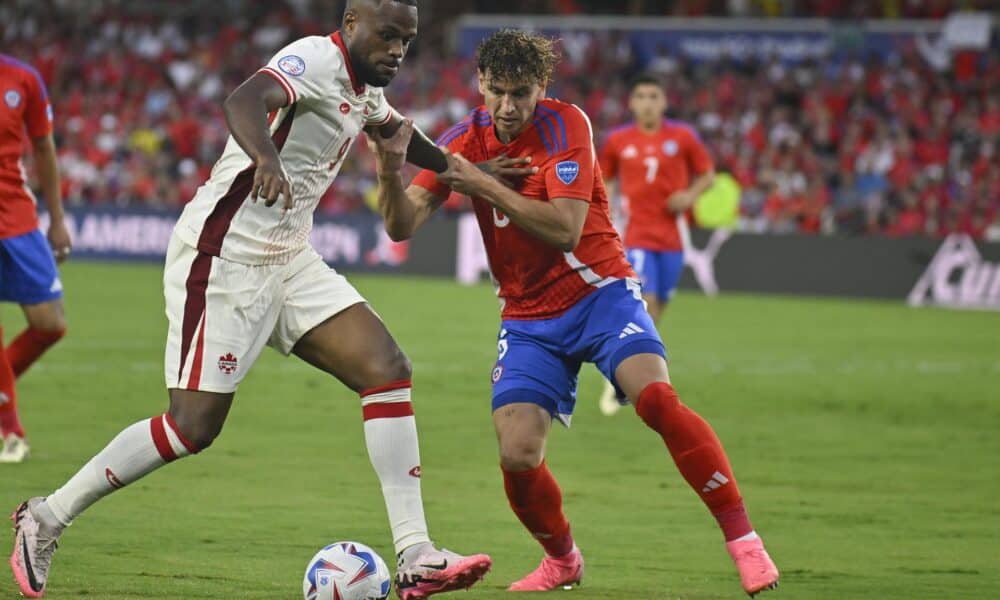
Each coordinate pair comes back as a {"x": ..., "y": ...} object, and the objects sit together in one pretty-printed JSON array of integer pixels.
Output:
[{"x": 222, "y": 313}]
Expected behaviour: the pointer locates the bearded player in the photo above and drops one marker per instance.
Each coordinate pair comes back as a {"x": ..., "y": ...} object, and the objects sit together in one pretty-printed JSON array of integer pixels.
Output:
[
  {"x": 568, "y": 296},
  {"x": 660, "y": 167},
  {"x": 240, "y": 274}
]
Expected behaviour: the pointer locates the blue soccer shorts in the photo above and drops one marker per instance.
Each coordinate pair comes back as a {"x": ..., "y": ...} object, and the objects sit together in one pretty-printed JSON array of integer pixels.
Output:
[
  {"x": 539, "y": 361},
  {"x": 28, "y": 273},
  {"x": 658, "y": 272}
]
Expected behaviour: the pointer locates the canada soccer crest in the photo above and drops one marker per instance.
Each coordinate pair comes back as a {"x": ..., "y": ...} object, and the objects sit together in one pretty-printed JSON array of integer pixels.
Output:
[
  {"x": 12, "y": 98},
  {"x": 228, "y": 363}
]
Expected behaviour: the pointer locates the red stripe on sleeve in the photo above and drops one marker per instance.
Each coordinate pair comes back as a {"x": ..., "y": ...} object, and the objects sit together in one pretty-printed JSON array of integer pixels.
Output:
[
  {"x": 160, "y": 439},
  {"x": 389, "y": 387},
  {"x": 387, "y": 410},
  {"x": 289, "y": 90}
]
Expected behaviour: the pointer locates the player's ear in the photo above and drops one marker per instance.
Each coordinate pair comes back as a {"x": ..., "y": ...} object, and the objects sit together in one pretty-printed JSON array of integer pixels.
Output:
[
  {"x": 350, "y": 21},
  {"x": 482, "y": 82}
]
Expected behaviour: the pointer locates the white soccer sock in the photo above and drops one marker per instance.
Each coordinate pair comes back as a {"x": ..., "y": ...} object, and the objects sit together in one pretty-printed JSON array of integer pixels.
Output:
[
  {"x": 138, "y": 450},
  {"x": 391, "y": 437}
]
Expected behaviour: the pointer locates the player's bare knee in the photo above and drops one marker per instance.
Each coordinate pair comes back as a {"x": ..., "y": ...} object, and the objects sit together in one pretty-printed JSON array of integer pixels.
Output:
[
  {"x": 200, "y": 421},
  {"x": 196, "y": 429},
  {"x": 392, "y": 367},
  {"x": 520, "y": 455}
]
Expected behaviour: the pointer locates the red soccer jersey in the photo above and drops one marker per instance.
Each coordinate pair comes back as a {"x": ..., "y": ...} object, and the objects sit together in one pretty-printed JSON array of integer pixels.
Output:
[
  {"x": 536, "y": 280},
  {"x": 650, "y": 167},
  {"x": 24, "y": 112}
]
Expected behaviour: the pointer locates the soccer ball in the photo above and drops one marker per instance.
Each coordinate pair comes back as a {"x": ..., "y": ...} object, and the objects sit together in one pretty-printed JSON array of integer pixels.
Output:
[{"x": 346, "y": 571}]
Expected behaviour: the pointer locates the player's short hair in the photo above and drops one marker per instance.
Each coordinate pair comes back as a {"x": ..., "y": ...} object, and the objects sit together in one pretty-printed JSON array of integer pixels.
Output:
[
  {"x": 354, "y": 3},
  {"x": 645, "y": 79},
  {"x": 514, "y": 55}
]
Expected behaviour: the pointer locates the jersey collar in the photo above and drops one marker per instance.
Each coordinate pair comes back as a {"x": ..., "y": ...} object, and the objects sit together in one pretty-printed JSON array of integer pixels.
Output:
[{"x": 338, "y": 40}]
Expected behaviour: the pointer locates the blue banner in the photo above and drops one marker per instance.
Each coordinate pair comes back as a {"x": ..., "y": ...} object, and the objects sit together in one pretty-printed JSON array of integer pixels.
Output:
[
  {"x": 350, "y": 242},
  {"x": 711, "y": 39}
]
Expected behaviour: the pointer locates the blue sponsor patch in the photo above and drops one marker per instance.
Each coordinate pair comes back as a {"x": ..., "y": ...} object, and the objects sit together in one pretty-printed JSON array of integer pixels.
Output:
[
  {"x": 567, "y": 171},
  {"x": 293, "y": 65}
]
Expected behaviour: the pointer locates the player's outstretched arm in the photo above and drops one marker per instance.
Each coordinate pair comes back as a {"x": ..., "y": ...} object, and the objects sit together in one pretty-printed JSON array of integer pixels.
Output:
[
  {"x": 558, "y": 223},
  {"x": 246, "y": 114},
  {"x": 403, "y": 210}
]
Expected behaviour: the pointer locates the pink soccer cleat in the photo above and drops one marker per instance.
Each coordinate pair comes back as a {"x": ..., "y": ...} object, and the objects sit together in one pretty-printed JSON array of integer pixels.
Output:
[
  {"x": 440, "y": 571},
  {"x": 552, "y": 574},
  {"x": 34, "y": 544},
  {"x": 757, "y": 570}
]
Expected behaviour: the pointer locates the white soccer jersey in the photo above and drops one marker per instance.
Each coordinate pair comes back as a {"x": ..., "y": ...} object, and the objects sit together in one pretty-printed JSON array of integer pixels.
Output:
[{"x": 326, "y": 112}]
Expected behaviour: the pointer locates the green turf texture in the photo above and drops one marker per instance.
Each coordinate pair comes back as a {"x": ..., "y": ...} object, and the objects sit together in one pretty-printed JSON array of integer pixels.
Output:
[{"x": 864, "y": 436}]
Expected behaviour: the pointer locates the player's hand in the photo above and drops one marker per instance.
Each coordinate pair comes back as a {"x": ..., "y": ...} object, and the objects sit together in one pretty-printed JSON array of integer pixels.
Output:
[
  {"x": 270, "y": 182},
  {"x": 59, "y": 240},
  {"x": 680, "y": 201},
  {"x": 509, "y": 171},
  {"x": 462, "y": 176},
  {"x": 390, "y": 153}
]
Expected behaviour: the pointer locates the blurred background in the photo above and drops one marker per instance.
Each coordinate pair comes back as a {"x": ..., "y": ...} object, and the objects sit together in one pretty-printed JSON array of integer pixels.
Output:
[{"x": 876, "y": 118}]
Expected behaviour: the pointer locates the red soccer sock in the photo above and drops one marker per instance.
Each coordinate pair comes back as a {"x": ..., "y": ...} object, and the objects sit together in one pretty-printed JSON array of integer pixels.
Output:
[
  {"x": 698, "y": 454},
  {"x": 25, "y": 349},
  {"x": 536, "y": 499},
  {"x": 9, "y": 423}
]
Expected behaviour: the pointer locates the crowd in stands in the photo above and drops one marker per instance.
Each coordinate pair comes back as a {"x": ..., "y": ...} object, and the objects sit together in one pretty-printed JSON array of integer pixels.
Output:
[{"x": 896, "y": 144}]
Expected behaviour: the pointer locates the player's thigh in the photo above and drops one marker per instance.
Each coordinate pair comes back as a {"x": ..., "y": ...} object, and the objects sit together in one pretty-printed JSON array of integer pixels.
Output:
[
  {"x": 637, "y": 371},
  {"x": 619, "y": 328},
  {"x": 327, "y": 323},
  {"x": 529, "y": 369},
  {"x": 28, "y": 273},
  {"x": 220, "y": 315},
  {"x": 671, "y": 265}
]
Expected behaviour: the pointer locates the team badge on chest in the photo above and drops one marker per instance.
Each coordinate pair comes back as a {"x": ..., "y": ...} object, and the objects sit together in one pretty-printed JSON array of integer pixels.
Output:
[
  {"x": 12, "y": 98},
  {"x": 670, "y": 147}
]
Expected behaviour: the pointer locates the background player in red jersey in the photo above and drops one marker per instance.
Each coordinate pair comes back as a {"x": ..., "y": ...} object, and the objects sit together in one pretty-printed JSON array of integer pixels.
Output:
[
  {"x": 568, "y": 296},
  {"x": 661, "y": 168},
  {"x": 28, "y": 274}
]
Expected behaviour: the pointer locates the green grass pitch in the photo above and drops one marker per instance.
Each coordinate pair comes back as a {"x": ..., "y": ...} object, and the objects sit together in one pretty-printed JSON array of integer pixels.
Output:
[{"x": 864, "y": 435}]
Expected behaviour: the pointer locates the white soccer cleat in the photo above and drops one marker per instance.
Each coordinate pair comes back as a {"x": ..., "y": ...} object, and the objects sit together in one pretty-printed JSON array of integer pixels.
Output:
[
  {"x": 15, "y": 449},
  {"x": 34, "y": 544},
  {"x": 609, "y": 402}
]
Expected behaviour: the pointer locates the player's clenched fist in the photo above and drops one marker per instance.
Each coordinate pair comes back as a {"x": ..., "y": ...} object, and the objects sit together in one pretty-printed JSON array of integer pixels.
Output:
[
  {"x": 390, "y": 153},
  {"x": 269, "y": 182}
]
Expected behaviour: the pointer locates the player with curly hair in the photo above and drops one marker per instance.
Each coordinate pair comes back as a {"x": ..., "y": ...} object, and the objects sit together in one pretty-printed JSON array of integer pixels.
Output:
[{"x": 568, "y": 296}]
